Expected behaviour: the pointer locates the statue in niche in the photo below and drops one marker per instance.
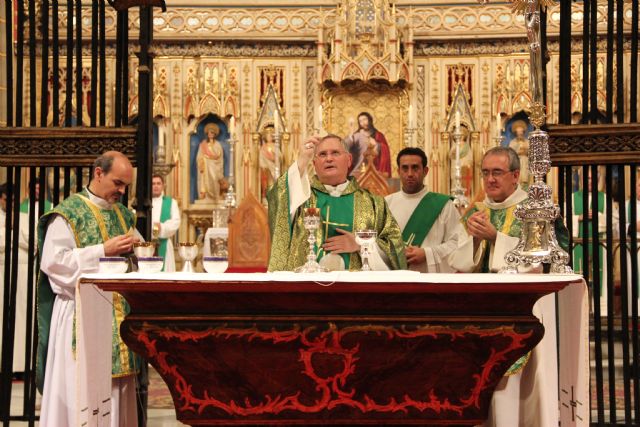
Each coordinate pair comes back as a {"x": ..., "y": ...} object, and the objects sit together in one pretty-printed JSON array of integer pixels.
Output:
[
  {"x": 267, "y": 160},
  {"x": 466, "y": 161},
  {"x": 210, "y": 163},
  {"x": 520, "y": 144}
]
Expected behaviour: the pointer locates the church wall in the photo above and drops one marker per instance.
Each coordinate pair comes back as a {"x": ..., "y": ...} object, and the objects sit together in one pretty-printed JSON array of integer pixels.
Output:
[{"x": 289, "y": 43}]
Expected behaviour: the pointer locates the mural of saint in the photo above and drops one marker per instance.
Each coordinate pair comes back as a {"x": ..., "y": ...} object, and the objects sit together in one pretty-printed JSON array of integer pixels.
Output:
[
  {"x": 210, "y": 165},
  {"x": 359, "y": 140}
]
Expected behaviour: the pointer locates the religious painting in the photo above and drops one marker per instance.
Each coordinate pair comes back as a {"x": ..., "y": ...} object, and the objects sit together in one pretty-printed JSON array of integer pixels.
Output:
[
  {"x": 209, "y": 160},
  {"x": 516, "y": 134},
  {"x": 361, "y": 138}
]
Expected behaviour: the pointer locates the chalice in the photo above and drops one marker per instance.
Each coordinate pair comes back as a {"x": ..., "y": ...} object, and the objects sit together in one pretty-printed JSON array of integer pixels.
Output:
[
  {"x": 188, "y": 252},
  {"x": 311, "y": 224},
  {"x": 365, "y": 238}
]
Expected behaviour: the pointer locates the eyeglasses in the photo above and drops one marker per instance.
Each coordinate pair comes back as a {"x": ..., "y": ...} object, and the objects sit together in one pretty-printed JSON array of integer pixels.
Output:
[
  {"x": 323, "y": 155},
  {"x": 496, "y": 173}
]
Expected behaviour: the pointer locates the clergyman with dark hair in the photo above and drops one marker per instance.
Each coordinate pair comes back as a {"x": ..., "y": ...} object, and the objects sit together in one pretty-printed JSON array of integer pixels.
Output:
[
  {"x": 430, "y": 223},
  {"x": 73, "y": 236}
]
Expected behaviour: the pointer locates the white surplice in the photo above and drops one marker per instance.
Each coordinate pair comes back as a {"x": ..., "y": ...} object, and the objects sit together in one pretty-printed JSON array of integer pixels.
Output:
[
  {"x": 63, "y": 262},
  {"x": 463, "y": 259},
  {"x": 300, "y": 192},
  {"x": 167, "y": 229},
  {"x": 440, "y": 241},
  {"x": 530, "y": 397}
]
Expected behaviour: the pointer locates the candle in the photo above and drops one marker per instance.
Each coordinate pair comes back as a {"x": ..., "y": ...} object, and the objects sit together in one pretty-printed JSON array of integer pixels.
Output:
[
  {"x": 498, "y": 125},
  {"x": 410, "y": 116},
  {"x": 276, "y": 122},
  {"x": 232, "y": 126},
  {"x": 457, "y": 121},
  {"x": 320, "y": 124}
]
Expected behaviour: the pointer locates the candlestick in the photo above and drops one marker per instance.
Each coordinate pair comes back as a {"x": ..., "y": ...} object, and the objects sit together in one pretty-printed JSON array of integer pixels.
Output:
[
  {"x": 457, "y": 121},
  {"x": 276, "y": 122}
]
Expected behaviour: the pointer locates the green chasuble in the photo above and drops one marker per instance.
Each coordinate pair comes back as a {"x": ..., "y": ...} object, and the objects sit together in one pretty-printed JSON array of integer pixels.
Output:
[
  {"x": 165, "y": 214},
  {"x": 505, "y": 222},
  {"x": 91, "y": 226},
  {"x": 578, "y": 250},
  {"x": 423, "y": 218},
  {"x": 24, "y": 206},
  {"x": 356, "y": 209}
]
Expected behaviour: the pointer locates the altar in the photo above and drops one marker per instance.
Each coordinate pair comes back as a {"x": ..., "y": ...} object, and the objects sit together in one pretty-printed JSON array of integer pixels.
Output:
[{"x": 337, "y": 348}]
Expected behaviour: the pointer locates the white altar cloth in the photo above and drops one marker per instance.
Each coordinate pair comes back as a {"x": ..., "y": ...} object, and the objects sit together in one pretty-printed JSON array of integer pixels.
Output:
[{"x": 93, "y": 332}]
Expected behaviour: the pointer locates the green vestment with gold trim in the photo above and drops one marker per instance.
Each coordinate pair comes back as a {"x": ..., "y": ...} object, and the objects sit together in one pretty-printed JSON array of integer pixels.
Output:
[
  {"x": 289, "y": 246},
  {"x": 88, "y": 230}
]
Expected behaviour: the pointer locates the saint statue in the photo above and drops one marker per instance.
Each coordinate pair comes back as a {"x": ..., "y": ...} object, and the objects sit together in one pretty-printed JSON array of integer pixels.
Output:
[
  {"x": 210, "y": 163},
  {"x": 267, "y": 161},
  {"x": 520, "y": 144},
  {"x": 466, "y": 161}
]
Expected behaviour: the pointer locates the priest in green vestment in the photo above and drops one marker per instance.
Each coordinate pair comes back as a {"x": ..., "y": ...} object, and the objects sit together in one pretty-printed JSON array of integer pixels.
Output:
[
  {"x": 74, "y": 236},
  {"x": 429, "y": 221},
  {"x": 344, "y": 209},
  {"x": 582, "y": 217},
  {"x": 492, "y": 230},
  {"x": 24, "y": 205}
]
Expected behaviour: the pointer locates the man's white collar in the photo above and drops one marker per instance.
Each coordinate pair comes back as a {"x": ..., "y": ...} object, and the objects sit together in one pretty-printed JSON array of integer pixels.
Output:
[{"x": 516, "y": 197}]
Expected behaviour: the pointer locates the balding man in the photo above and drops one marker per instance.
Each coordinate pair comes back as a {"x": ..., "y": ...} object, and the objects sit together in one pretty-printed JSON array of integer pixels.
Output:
[
  {"x": 344, "y": 209},
  {"x": 73, "y": 236}
]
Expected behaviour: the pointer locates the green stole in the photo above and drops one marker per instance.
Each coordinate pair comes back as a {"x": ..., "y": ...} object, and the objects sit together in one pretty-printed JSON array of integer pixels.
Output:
[
  {"x": 423, "y": 218},
  {"x": 578, "y": 250},
  {"x": 335, "y": 212},
  {"x": 24, "y": 206},
  {"x": 165, "y": 214},
  {"x": 289, "y": 246},
  {"x": 91, "y": 226}
]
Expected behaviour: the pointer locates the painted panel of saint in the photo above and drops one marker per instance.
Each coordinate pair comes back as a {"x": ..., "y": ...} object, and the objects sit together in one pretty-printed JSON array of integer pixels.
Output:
[
  {"x": 516, "y": 136},
  {"x": 358, "y": 141}
]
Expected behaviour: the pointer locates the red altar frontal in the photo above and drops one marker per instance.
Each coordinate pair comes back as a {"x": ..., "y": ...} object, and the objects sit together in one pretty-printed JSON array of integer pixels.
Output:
[{"x": 333, "y": 348}]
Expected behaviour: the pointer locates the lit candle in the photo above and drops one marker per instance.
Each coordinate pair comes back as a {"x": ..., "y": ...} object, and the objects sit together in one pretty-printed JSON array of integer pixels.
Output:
[
  {"x": 498, "y": 125},
  {"x": 320, "y": 124},
  {"x": 232, "y": 126},
  {"x": 457, "y": 121},
  {"x": 276, "y": 122},
  {"x": 410, "y": 116}
]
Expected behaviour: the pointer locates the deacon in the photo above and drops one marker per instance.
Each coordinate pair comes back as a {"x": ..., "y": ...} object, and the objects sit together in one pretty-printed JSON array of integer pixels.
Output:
[
  {"x": 166, "y": 221},
  {"x": 527, "y": 395},
  {"x": 430, "y": 223},
  {"x": 344, "y": 209},
  {"x": 83, "y": 228}
]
